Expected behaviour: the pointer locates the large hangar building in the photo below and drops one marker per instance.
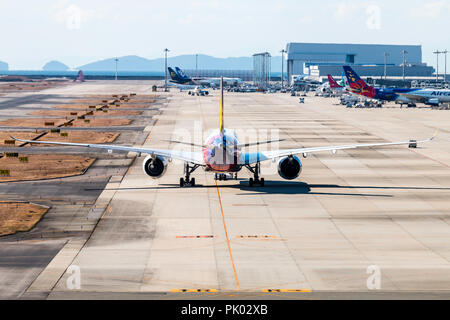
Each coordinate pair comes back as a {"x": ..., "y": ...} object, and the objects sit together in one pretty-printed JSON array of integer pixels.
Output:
[{"x": 320, "y": 59}]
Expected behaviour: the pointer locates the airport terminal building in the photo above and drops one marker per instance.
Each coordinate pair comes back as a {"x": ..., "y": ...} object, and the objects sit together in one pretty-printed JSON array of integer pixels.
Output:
[{"x": 320, "y": 59}]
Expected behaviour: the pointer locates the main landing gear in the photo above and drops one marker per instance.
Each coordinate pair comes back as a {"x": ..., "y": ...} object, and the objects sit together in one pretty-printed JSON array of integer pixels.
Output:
[
  {"x": 256, "y": 170},
  {"x": 187, "y": 181}
]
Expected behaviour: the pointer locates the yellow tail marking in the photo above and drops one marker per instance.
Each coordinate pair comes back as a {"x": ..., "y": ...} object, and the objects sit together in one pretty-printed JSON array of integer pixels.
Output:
[{"x": 222, "y": 128}]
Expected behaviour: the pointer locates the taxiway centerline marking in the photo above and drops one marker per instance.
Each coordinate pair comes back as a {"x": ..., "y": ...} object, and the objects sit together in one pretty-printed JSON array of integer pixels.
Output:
[{"x": 228, "y": 239}]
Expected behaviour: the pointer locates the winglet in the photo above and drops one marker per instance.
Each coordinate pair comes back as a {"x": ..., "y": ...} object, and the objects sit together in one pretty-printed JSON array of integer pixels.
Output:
[
  {"x": 21, "y": 140},
  {"x": 14, "y": 138}
]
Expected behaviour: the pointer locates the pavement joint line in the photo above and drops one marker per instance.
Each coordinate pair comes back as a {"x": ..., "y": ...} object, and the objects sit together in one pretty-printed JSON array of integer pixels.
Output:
[{"x": 227, "y": 238}]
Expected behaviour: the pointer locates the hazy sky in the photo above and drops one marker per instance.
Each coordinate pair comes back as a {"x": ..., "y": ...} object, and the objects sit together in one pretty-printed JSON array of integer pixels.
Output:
[{"x": 76, "y": 32}]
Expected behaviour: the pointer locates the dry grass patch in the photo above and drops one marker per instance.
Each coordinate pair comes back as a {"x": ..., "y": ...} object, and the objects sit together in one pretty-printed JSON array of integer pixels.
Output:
[
  {"x": 92, "y": 102},
  {"x": 72, "y": 136},
  {"x": 63, "y": 113},
  {"x": 31, "y": 122},
  {"x": 85, "y": 107},
  {"x": 82, "y": 107},
  {"x": 28, "y": 86},
  {"x": 132, "y": 105},
  {"x": 100, "y": 101},
  {"x": 43, "y": 166},
  {"x": 19, "y": 216},
  {"x": 50, "y": 123},
  {"x": 96, "y": 122}
]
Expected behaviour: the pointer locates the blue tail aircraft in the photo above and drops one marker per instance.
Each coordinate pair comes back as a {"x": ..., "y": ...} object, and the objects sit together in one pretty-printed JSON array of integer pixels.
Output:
[{"x": 179, "y": 77}]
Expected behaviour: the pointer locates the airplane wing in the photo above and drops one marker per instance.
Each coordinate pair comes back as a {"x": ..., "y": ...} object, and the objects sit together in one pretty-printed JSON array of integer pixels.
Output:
[
  {"x": 192, "y": 157},
  {"x": 250, "y": 158},
  {"x": 243, "y": 145}
]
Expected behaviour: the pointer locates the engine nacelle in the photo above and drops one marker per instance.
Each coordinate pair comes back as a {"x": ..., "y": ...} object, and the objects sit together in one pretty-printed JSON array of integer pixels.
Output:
[
  {"x": 433, "y": 102},
  {"x": 156, "y": 167},
  {"x": 289, "y": 168}
]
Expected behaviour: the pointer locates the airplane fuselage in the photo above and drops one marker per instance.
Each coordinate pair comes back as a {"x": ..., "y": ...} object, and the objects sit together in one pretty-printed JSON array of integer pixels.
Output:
[{"x": 222, "y": 153}]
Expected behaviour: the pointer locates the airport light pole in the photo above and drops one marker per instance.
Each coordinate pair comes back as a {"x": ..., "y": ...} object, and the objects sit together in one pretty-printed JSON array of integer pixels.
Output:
[
  {"x": 282, "y": 67},
  {"x": 445, "y": 74},
  {"x": 116, "y": 60},
  {"x": 196, "y": 67},
  {"x": 404, "y": 52},
  {"x": 437, "y": 53},
  {"x": 165, "y": 69},
  {"x": 385, "y": 62}
]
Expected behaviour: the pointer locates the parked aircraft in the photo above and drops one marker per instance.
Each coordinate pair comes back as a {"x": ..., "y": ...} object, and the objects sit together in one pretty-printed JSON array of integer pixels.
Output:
[
  {"x": 223, "y": 154},
  {"x": 304, "y": 79},
  {"x": 178, "y": 76},
  {"x": 403, "y": 95},
  {"x": 336, "y": 87},
  {"x": 80, "y": 77}
]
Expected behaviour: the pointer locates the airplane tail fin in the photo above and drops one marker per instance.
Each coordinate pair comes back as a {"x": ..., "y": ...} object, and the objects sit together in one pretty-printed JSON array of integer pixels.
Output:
[
  {"x": 80, "y": 77},
  {"x": 222, "y": 126},
  {"x": 357, "y": 85},
  {"x": 173, "y": 75},
  {"x": 181, "y": 74},
  {"x": 332, "y": 82}
]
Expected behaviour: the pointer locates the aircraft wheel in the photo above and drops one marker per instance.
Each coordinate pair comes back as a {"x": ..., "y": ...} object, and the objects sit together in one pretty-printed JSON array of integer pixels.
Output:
[
  {"x": 262, "y": 182},
  {"x": 181, "y": 182},
  {"x": 250, "y": 182},
  {"x": 193, "y": 182}
]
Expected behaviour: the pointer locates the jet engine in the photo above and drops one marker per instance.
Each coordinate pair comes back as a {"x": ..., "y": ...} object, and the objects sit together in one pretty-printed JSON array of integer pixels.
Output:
[
  {"x": 433, "y": 102},
  {"x": 155, "y": 167},
  {"x": 290, "y": 167}
]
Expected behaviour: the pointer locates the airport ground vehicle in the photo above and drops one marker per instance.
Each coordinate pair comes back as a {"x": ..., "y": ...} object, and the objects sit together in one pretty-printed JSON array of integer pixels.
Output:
[
  {"x": 223, "y": 154},
  {"x": 348, "y": 98}
]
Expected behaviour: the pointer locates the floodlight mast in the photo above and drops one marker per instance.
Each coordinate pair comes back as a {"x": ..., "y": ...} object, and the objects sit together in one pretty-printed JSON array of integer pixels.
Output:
[
  {"x": 282, "y": 67},
  {"x": 165, "y": 69}
]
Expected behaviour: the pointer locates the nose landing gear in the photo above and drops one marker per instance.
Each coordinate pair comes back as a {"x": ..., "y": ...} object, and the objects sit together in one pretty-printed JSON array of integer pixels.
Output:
[{"x": 225, "y": 176}]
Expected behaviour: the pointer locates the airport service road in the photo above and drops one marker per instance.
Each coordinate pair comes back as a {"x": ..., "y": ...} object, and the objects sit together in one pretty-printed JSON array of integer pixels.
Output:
[{"x": 388, "y": 208}]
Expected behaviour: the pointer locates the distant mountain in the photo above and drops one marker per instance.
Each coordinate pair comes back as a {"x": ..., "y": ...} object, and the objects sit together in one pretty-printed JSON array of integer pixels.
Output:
[
  {"x": 55, "y": 66},
  {"x": 136, "y": 63},
  {"x": 4, "y": 66}
]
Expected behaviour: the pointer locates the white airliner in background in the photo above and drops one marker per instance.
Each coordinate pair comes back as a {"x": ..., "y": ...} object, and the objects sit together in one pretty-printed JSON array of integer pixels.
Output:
[
  {"x": 179, "y": 77},
  {"x": 223, "y": 154}
]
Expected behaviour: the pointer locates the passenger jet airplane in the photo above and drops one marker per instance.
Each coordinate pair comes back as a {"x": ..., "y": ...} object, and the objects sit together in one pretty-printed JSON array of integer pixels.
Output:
[
  {"x": 179, "y": 77},
  {"x": 223, "y": 154},
  {"x": 431, "y": 97}
]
